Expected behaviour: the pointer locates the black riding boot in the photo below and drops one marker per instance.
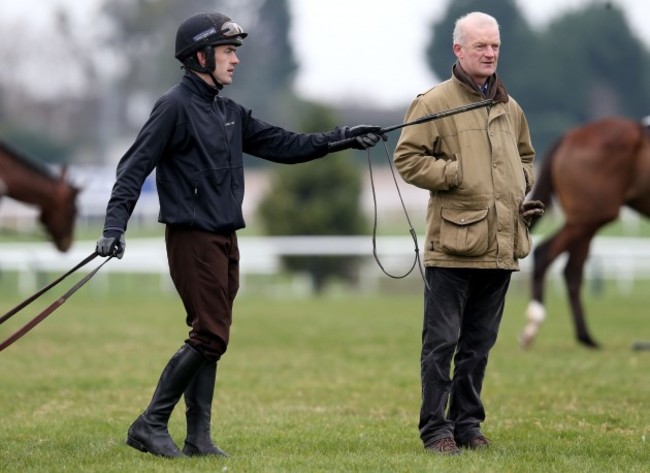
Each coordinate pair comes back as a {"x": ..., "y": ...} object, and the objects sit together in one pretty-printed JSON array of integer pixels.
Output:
[
  {"x": 149, "y": 431},
  {"x": 198, "y": 399}
]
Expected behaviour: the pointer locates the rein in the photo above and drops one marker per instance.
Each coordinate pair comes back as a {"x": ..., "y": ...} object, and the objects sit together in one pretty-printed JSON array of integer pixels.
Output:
[
  {"x": 416, "y": 260},
  {"x": 53, "y": 306},
  {"x": 425, "y": 119}
]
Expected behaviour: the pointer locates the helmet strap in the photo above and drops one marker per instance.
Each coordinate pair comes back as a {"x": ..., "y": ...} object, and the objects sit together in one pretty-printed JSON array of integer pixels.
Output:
[
  {"x": 211, "y": 65},
  {"x": 193, "y": 64},
  {"x": 214, "y": 80}
]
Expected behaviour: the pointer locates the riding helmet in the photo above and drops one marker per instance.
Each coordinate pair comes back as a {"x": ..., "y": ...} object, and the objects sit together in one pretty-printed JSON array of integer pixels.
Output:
[{"x": 206, "y": 29}]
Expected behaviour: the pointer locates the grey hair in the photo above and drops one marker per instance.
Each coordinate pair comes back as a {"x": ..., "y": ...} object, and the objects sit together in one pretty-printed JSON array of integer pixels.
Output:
[{"x": 477, "y": 18}]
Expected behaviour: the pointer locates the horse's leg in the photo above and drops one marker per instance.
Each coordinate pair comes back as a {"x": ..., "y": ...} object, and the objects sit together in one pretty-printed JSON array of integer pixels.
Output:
[
  {"x": 543, "y": 257},
  {"x": 573, "y": 275}
]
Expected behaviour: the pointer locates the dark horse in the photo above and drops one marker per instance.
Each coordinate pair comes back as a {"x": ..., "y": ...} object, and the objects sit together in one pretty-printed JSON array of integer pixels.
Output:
[
  {"x": 593, "y": 171},
  {"x": 27, "y": 181}
]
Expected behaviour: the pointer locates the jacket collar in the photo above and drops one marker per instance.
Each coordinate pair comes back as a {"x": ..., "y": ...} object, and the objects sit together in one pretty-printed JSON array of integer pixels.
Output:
[
  {"x": 495, "y": 88},
  {"x": 199, "y": 86}
]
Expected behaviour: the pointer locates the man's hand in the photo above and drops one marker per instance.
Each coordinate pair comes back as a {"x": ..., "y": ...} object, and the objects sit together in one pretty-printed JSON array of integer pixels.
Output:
[
  {"x": 366, "y": 136},
  {"x": 111, "y": 243},
  {"x": 531, "y": 211},
  {"x": 357, "y": 137}
]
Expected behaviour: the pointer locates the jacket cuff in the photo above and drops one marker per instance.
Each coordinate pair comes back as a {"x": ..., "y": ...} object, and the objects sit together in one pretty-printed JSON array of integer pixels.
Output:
[
  {"x": 451, "y": 174},
  {"x": 529, "y": 187}
]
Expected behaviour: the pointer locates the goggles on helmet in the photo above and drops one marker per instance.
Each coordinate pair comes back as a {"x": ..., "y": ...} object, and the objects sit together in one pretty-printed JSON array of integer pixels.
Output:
[
  {"x": 206, "y": 29},
  {"x": 231, "y": 29}
]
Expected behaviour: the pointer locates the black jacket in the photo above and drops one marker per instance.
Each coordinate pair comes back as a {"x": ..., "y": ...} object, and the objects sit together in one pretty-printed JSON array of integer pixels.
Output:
[{"x": 195, "y": 140}]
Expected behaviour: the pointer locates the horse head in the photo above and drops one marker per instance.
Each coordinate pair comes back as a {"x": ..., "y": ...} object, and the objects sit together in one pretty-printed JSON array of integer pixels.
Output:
[{"x": 60, "y": 213}]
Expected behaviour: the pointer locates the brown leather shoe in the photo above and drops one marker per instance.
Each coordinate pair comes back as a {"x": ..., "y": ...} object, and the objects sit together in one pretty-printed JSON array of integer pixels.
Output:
[
  {"x": 443, "y": 446},
  {"x": 476, "y": 443}
]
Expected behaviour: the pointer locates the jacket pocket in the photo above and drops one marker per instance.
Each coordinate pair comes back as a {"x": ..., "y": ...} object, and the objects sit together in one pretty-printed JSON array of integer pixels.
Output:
[
  {"x": 464, "y": 232},
  {"x": 523, "y": 241}
]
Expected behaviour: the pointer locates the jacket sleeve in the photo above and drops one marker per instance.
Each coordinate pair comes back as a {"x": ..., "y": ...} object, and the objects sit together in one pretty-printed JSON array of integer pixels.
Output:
[
  {"x": 138, "y": 162},
  {"x": 282, "y": 146},
  {"x": 415, "y": 158}
]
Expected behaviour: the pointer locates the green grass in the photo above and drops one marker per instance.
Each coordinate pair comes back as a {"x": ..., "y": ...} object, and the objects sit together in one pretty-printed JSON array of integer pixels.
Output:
[{"x": 320, "y": 384}]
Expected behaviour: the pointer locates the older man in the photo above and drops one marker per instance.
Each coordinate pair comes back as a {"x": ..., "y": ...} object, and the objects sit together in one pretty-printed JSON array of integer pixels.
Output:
[{"x": 478, "y": 167}]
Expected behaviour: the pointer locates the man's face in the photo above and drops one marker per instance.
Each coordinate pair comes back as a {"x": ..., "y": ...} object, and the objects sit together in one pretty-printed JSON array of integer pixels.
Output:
[
  {"x": 225, "y": 59},
  {"x": 479, "y": 53}
]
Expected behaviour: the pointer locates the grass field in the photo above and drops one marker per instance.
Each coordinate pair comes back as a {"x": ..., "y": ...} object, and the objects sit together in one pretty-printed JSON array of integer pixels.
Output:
[{"x": 323, "y": 384}]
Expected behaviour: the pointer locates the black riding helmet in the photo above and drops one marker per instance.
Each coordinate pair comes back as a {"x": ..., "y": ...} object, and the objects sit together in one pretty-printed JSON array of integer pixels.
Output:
[{"x": 201, "y": 32}]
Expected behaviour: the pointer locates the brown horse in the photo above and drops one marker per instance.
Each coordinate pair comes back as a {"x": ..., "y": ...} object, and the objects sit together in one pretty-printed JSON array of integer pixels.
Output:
[
  {"x": 593, "y": 171},
  {"x": 29, "y": 182}
]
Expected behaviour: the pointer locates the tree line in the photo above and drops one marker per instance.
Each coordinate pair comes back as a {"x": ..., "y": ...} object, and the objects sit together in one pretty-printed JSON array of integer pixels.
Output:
[{"x": 584, "y": 65}]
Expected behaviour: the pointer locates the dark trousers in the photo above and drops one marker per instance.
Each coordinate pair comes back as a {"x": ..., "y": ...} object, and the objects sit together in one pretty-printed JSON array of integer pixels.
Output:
[
  {"x": 462, "y": 313},
  {"x": 205, "y": 269}
]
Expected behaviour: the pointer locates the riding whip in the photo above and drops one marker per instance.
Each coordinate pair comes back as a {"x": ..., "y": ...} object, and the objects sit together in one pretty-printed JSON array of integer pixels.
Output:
[
  {"x": 424, "y": 119},
  {"x": 53, "y": 306}
]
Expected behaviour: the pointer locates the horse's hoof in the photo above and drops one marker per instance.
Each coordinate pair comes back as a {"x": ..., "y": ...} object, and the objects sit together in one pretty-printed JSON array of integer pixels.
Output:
[
  {"x": 589, "y": 343},
  {"x": 525, "y": 340}
]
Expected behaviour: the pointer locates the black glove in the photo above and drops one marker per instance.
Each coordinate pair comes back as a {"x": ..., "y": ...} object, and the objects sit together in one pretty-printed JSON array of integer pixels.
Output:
[
  {"x": 358, "y": 137},
  {"x": 366, "y": 136},
  {"x": 111, "y": 243},
  {"x": 531, "y": 211}
]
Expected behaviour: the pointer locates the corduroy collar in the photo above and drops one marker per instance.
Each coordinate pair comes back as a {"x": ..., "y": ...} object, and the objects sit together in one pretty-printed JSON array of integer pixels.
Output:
[{"x": 495, "y": 91}]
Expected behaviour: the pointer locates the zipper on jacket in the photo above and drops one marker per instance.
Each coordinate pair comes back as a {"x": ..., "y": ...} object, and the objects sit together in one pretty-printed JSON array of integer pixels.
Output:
[
  {"x": 225, "y": 137},
  {"x": 196, "y": 202}
]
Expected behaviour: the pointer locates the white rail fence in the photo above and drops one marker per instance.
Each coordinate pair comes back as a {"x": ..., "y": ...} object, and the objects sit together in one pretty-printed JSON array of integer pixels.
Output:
[{"x": 624, "y": 260}]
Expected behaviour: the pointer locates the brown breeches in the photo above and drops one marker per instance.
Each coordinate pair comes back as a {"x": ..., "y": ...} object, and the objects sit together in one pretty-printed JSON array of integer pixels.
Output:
[{"x": 204, "y": 267}]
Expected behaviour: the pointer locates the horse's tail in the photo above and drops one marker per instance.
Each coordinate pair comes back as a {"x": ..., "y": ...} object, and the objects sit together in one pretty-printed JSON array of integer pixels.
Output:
[{"x": 543, "y": 188}]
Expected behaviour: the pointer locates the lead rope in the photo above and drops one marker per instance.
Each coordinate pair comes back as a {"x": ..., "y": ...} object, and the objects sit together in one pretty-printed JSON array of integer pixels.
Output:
[
  {"x": 416, "y": 260},
  {"x": 54, "y": 305}
]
